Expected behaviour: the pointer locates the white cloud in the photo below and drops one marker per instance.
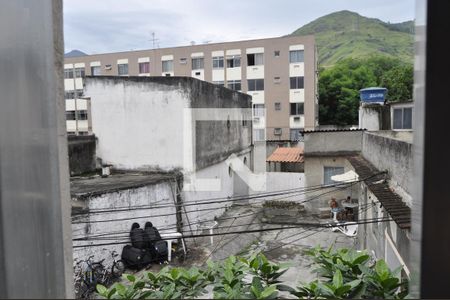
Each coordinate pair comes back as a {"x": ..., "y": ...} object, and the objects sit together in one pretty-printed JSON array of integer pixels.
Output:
[{"x": 115, "y": 25}]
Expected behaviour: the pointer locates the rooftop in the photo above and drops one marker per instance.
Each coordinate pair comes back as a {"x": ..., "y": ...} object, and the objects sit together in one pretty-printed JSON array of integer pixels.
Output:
[
  {"x": 391, "y": 201},
  {"x": 85, "y": 187},
  {"x": 287, "y": 155}
]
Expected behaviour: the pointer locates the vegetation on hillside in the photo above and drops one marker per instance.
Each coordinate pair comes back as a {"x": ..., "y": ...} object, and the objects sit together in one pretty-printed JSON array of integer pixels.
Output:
[
  {"x": 346, "y": 34},
  {"x": 339, "y": 86}
]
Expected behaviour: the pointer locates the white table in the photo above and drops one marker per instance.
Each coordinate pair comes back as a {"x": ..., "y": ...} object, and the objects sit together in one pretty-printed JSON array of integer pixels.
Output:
[{"x": 170, "y": 237}]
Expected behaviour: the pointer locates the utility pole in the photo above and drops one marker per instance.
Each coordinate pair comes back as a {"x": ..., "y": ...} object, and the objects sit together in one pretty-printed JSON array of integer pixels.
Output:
[{"x": 154, "y": 39}]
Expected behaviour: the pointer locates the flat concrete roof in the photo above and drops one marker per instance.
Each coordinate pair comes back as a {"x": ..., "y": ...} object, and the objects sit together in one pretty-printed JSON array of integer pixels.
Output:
[{"x": 85, "y": 187}]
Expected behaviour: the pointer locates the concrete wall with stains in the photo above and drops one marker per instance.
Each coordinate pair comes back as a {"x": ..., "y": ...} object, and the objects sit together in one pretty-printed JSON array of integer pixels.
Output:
[{"x": 82, "y": 157}]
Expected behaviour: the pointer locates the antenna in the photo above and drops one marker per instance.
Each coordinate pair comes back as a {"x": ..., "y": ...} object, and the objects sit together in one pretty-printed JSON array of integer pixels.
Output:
[{"x": 154, "y": 40}]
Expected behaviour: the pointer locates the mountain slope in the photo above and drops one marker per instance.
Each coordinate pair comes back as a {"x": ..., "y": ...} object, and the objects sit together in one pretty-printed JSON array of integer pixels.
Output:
[
  {"x": 347, "y": 34},
  {"x": 74, "y": 53}
]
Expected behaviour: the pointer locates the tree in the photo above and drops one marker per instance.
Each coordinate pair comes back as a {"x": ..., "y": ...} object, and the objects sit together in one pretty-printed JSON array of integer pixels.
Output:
[{"x": 339, "y": 86}]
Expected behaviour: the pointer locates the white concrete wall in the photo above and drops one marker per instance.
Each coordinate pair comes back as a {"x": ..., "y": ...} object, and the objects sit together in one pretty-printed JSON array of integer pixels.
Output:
[
  {"x": 280, "y": 181},
  {"x": 143, "y": 119},
  {"x": 117, "y": 230}
]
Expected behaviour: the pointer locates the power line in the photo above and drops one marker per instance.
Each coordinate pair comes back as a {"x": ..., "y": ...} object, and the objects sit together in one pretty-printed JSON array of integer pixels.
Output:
[{"x": 367, "y": 221}]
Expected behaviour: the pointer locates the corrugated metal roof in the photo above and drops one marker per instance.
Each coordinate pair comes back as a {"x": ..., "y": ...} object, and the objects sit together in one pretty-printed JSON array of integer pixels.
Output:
[
  {"x": 287, "y": 155},
  {"x": 392, "y": 202}
]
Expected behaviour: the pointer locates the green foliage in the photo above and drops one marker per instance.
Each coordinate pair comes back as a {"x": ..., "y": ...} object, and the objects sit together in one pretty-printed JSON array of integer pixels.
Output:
[
  {"x": 346, "y": 34},
  {"x": 343, "y": 274},
  {"x": 235, "y": 278},
  {"x": 339, "y": 86},
  {"x": 348, "y": 274}
]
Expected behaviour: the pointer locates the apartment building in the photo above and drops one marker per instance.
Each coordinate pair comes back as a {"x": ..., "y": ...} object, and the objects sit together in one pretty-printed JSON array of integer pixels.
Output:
[{"x": 279, "y": 73}]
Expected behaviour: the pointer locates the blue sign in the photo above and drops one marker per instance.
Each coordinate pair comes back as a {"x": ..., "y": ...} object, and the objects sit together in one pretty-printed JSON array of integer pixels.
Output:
[{"x": 373, "y": 94}]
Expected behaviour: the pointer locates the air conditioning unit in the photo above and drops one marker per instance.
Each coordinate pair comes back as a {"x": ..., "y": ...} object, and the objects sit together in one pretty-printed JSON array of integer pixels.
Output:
[{"x": 296, "y": 119}]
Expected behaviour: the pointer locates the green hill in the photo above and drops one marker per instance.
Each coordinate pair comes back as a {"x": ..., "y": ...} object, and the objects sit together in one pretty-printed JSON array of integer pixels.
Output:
[{"x": 347, "y": 34}]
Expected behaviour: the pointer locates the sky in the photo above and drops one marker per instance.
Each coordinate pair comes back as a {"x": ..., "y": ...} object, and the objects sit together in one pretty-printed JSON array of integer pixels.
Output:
[{"x": 100, "y": 26}]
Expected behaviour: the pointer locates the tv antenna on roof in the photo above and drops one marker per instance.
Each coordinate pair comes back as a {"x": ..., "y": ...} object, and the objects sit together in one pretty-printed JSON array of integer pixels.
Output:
[{"x": 154, "y": 40}]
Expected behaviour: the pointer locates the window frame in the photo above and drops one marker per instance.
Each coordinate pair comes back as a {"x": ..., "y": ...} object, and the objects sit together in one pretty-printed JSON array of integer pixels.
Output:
[
  {"x": 235, "y": 61},
  {"x": 167, "y": 63},
  {"x": 198, "y": 63},
  {"x": 253, "y": 61},
  {"x": 296, "y": 60},
  {"x": 297, "y": 82},
  {"x": 277, "y": 106},
  {"x": 297, "y": 111},
  {"x": 217, "y": 61},
  {"x": 332, "y": 170},
  {"x": 99, "y": 68},
  {"x": 252, "y": 85},
  {"x": 402, "y": 121},
  {"x": 147, "y": 64},
  {"x": 233, "y": 84},
  {"x": 120, "y": 67}
]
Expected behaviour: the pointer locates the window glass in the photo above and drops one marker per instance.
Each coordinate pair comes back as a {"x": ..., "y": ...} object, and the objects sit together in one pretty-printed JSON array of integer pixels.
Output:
[
  {"x": 234, "y": 85},
  {"x": 70, "y": 115},
  {"x": 79, "y": 72},
  {"x": 258, "y": 110},
  {"x": 217, "y": 62},
  {"x": 96, "y": 71},
  {"x": 256, "y": 84},
  {"x": 82, "y": 115},
  {"x": 122, "y": 69},
  {"x": 233, "y": 61},
  {"x": 197, "y": 63},
  {"x": 68, "y": 73},
  {"x": 398, "y": 116},
  {"x": 296, "y": 56},
  {"x": 144, "y": 68},
  {"x": 407, "y": 118},
  {"x": 296, "y": 135},
  {"x": 277, "y": 106},
  {"x": 331, "y": 171},
  {"x": 296, "y": 82},
  {"x": 255, "y": 59},
  {"x": 167, "y": 65},
  {"x": 297, "y": 109}
]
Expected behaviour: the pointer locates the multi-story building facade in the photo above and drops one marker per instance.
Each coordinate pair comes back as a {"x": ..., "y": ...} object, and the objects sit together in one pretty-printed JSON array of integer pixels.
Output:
[{"x": 279, "y": 73}]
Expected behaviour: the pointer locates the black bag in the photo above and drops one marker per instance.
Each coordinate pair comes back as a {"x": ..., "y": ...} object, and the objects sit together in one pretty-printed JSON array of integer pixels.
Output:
[
  {"x": 137, "y": 236},
  {"x": 154, "y": 243},
  {"x": 135, "y": 258}
]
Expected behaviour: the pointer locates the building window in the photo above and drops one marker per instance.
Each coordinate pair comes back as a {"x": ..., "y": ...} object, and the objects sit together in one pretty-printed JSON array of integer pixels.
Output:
[
  {"x": 167, "y": 65},
  {"x": 277, "y": 131},
  {"x": 296, "y": 56},
  {"x": 258, "y": 110},
  {"x": 277, "y": 106},
  {"x": 122, "y": 69},
  {"x": 259, "y": 135},
  {"x": 217, "y": 62},
  {"x": 276, "y": 53},
  {"x": 233, "y": 61},
  {"x": 82, "y": 115},
  {"x": 70, "y": 115},
  {"x": 68, "y": 73},
  {"x": 79, "y": 72},
  {"x": 402, "y": 118},
  {"x": 255, "y": 59},
  {"x": 296, "y": 82},
  {"x": 221, "y": 83},
  {"x": 234, "y": 85},
  {"x": 96, "y": 71},
  {"x": 144, "y": 68},
  {"x": 331, "y": 171},
  {"x": 297, "y": 109},
  {"x": 197, "y": 63},
  {"x": 296, "y": 135},
  {"x": 256, "y": 84}
]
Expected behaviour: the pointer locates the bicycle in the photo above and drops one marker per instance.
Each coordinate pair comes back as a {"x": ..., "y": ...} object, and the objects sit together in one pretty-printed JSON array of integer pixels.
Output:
[
  {"x": 106, "y": 277},
  {"x": 84, "y": 277}
]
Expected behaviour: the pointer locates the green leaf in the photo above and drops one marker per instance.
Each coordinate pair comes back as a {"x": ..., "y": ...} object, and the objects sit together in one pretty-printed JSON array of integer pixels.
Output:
[
  {"x": 111, "y": 293},
  {"x": 341, "y": 291},
  {"x": 268, "y": 291},
  {"x": 382, "y": 269},
  {"x": 129, "y": 277},
  {"x": 102, "y": 290},
  {"x": 337, "y": 279}
]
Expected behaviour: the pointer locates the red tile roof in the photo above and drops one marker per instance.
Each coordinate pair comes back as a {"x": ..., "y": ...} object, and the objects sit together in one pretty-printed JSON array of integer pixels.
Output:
[{"x": 287, "y": 155}]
